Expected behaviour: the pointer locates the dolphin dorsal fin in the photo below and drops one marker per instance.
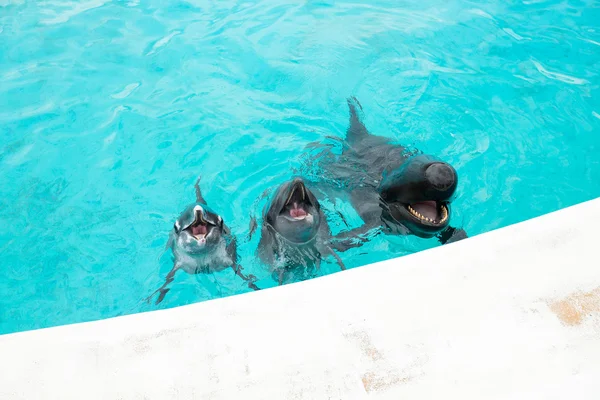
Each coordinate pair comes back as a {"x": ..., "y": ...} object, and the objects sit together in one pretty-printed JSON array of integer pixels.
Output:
[{"x": 356, "y": 130}]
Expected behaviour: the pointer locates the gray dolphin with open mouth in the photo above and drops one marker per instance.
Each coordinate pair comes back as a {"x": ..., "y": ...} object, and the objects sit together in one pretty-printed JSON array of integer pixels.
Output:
[
  {"x": 202, "y": 243},
  {"x": 294, "y": 231},
  {"x": 394, "y": 191}
]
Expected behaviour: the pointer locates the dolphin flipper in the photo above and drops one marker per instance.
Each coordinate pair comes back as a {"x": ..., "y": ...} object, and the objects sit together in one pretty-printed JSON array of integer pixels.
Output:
[
  {"x": 163, "y": 289},
  {"x": 231, "y": 250},
  {"x": 253, "y": 223},
  {"x": 252, "y": 228},
  {"x": 353, "y": 238},
  {"x": 451, "y": 235},
  {"x": 357, "y": 129},
  {"x": 337, "y": 259},
  {"x": 237, "y": 268}
]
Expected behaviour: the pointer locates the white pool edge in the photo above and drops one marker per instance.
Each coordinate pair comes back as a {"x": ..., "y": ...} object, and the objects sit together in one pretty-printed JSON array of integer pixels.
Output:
[{"x": 513, "y": 313}]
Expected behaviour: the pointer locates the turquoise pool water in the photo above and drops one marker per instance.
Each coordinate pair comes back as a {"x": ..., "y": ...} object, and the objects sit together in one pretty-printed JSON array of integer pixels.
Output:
[{"x": 110, "y": 109}]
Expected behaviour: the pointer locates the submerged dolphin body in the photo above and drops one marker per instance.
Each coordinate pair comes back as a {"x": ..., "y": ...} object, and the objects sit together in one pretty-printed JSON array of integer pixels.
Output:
[
  {"x": 294, "y": 232},
  {"x": 201, "y": 243},
  {"x": 393, "y": 191}
]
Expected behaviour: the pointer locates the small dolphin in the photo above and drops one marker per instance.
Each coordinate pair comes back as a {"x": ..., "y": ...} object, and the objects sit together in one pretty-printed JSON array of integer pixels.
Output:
[
  {"x": 201, "y": 243},
  {"x": 294, "y": 230},
  {"x": 394, "y": 191}
]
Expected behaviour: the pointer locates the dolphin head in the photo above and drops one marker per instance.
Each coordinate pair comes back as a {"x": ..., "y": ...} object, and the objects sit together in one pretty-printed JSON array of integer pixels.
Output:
[
  {"x": 418, "y": 194},
  {"x": 294, "y": 212},
  {"x": 198, "y": 229}
]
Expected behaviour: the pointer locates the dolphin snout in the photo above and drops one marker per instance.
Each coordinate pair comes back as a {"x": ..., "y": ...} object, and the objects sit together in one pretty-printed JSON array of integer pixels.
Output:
[
  {"x": 441, "y": 176},
  {"x": 297, "y": 181}
]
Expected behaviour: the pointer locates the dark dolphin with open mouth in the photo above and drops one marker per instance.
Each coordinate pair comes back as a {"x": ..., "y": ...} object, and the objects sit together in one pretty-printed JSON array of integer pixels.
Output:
[
  {"x": 202, "y": 243},
  {"x": 392, "y": 190},
  {"x": 294, "y": 231}
]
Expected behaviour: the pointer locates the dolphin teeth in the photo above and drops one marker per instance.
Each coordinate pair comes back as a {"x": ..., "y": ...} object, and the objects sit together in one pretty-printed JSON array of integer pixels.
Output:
[
  {"x": 444, "y": 216},
  {"x": 292, "y": 192}
]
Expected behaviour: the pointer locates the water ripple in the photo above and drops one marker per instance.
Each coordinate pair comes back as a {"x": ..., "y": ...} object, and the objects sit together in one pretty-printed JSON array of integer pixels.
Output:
[
  {"x": 162, "y": 42},
  {"x": 558, "y": 76},
  {"x": 66, "y": 10},
  {"x": 126, "y": 91}
]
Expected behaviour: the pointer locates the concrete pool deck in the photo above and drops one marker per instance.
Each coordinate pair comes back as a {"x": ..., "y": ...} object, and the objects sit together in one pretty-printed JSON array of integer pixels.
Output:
[{"x": 510, "y": 314}]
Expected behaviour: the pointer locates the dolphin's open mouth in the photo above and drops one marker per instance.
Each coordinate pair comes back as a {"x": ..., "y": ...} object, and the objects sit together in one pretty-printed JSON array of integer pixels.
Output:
[
  {"x": 200, "y": 228},
  {"x": 297, "y": 204},
  {"x": 429, "y": 212}
]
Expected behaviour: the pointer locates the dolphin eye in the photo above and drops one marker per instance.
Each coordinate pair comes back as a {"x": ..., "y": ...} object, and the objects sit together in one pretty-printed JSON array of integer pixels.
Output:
[{"x": 176, "y": 227}]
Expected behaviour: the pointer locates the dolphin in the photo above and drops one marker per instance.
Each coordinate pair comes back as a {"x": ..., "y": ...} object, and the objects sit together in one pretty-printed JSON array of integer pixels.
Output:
[
  {"x": 201, "y": 243},
  {"x": 394, "y": 190},
  {"x": 294, "y": 231}
]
